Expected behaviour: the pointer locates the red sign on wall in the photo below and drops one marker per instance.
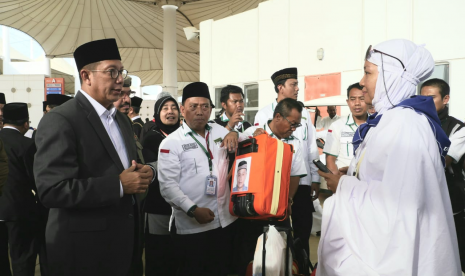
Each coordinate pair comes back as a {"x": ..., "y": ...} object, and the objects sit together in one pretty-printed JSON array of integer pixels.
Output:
[
  {"x": 320, "y": 86},
  {"x": 54, "y": 86}
]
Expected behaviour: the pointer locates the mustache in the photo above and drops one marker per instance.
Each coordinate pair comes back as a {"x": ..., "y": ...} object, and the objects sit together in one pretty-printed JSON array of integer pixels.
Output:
[{"x": 124, "y": 103}]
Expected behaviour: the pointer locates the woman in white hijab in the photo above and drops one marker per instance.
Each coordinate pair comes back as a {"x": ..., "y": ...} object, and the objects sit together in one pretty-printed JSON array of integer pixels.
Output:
[{"x": 391, "y": 213}]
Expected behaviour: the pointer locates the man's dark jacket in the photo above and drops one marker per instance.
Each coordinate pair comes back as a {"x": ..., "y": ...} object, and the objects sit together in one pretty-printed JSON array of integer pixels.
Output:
[{"x": 91, "y": 230}]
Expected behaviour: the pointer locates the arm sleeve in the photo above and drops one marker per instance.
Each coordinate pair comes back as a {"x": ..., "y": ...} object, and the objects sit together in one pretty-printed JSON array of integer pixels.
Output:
[
  {"x": 298, "y": 165},
  {"x": 3, "y": 166},
  {"x": 260, "y": 119},
  {"x": 457, "y": 145},
  {"x": 332, "y": 142},
  {"x": 169, "y": 174},
  {"x": 313, "y": 153},
  {"x": 319, "y": 123},
  {"x": 56, "y": 170}
]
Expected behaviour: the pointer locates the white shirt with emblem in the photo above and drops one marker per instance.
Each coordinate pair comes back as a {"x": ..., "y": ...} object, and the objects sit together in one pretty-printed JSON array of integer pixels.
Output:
[
  {"x": 298, "y": 166},
  {"x": 306, "y": 134},
  {"x": 339, "y": 140},
  {"x": 182, "y": 172}
]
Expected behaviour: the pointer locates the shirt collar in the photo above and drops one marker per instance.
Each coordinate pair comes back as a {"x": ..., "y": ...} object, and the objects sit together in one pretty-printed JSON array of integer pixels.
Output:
[
  {"x": 11, "y": 128},
  {"x": 135, "y": 118},
  {"x": 186, "y": 129},
  {"x": 267, "y": 128},
  {"x": 350, "y": 120},
  {"x": 224, "y": 118},
  {"x": 273, "y": 105},
  {"x": 100, "y": 109}
]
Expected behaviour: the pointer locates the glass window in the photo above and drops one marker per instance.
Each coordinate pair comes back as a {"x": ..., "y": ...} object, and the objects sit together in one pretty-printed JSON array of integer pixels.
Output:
[
  {"x": 250, "y": 115},
  {"x": 251, "y": 101},
  {"x": 441, "y": 71},
  {"x": 217, "y": 98},
  {"x": 251, "y": 95}
]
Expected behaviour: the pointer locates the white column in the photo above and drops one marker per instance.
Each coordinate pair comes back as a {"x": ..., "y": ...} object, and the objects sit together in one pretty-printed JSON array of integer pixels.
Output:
[
  {"x": 6, "y": 51},
  {"x": 77, "y": 81},
  {"x": 170, "y": 65},
  {"x": 47, "y": 67}
]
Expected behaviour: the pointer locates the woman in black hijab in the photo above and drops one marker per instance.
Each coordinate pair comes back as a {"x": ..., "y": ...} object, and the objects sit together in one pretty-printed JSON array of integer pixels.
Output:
[{"x": 159, "y": 247}]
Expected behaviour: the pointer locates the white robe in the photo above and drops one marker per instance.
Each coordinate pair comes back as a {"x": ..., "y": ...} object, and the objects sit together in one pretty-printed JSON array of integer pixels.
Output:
[{"x": 395, "y": 218}]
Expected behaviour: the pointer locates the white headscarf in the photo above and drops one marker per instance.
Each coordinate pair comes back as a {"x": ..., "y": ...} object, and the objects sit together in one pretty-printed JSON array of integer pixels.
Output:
[{"x": 400, "y": 83}]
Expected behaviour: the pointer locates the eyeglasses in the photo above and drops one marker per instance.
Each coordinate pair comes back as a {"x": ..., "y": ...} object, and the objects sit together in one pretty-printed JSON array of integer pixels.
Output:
[
  {"x": 203, "y": 107},
  {"x": 114, "y": 73},
  {"x": 292, "y": 125},
  {"x": 368, "y": 55}
]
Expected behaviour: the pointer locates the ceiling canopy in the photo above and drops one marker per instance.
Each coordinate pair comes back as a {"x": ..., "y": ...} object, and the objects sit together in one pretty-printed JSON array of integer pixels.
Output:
[{"x": 60, "y": 26}]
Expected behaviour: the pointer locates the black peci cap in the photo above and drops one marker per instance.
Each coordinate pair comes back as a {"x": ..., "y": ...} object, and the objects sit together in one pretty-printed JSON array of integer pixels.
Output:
[
  {"x": 95, "y": 51},
  {"x": 15, "y": 111}
]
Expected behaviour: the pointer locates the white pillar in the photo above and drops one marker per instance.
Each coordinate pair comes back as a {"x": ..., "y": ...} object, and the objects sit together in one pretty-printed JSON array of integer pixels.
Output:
[
  {"x": 47, "y": 67},
  {"x": 6, "y": 51},
  {"x": 170, "y": 63},
  {"x": 77, "y": 81}
]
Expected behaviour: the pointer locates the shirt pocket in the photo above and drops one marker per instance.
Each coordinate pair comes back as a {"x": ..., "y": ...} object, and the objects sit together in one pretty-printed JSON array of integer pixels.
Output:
[{"x": 189, "y": 166}]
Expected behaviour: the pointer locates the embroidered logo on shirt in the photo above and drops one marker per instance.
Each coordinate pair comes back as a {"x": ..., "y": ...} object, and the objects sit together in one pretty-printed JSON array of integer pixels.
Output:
[
  {"x": 218, "y": 140},
  {"x": 189, "y": 146},
  {"x": 164, "y": 151},
  {"x": 347, "y": 134}
]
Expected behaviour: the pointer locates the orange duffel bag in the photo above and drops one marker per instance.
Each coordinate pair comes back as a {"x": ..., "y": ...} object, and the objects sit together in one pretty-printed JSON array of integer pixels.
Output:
[{"x": 260, "y": 180}]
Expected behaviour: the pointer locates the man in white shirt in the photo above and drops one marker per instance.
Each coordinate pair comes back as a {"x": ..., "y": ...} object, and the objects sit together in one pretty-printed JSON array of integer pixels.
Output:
[
  {"x": 287, "y": 86},
  {"x": 190, "y": 159},
  {"x": 287, "y": 117},
  {"x": 338, "y": 147},
  {"x": 324, "y": 123}
]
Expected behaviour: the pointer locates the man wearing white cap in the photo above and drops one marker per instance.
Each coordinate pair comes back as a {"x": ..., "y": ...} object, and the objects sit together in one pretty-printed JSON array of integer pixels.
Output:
[{"x": 391, "y": 214}]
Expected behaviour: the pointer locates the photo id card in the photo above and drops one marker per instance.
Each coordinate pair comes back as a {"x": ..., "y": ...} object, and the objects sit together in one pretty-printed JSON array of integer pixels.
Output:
[{"x": 211, "y": 183}]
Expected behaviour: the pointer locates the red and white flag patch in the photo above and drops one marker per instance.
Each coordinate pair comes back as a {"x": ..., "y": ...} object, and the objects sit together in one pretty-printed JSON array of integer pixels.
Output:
[
  {"x": 256, "y": 124},
  {"x": 330, "y": 130},
  {"x": 164, "y": 151}
]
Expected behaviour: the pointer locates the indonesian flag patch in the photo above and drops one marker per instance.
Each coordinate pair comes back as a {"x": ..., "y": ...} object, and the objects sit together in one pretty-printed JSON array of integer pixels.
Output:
[
  {"x": 256, "y": 124},
  {"x": 164, "y": 150},
  {"x": 330, "y": 130}
]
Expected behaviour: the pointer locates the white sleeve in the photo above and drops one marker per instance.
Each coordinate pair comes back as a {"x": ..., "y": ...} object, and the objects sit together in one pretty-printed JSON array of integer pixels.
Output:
[
  {"x": 333, "y": 141},
  {"x": 319, "y": 123},
  {"x": 313, "y": 153},
  {"x": 249, "y": 132},
  {"x": 260, "y": 118},
  {"x": 169, "y": 172},
  {"x": 457, "y": 145},
  {"x": 298, "y": 165}
]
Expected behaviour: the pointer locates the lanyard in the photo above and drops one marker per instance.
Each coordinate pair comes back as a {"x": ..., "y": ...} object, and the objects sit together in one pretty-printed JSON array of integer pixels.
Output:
[{"x": 207, "y": 153}]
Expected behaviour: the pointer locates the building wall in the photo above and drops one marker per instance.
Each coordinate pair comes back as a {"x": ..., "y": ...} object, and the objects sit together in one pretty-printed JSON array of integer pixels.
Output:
[
  {"x": 249, "y": 47},
  {"x": 146, "y": 109},
  {"x": 34, "y": 98}
]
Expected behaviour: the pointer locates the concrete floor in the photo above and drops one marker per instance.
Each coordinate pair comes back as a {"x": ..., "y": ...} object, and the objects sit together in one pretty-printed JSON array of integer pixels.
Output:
[{"x": 313, "y": 253}]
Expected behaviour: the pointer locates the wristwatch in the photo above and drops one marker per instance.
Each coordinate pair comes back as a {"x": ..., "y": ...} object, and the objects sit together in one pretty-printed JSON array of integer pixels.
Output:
[{"x": 191, "y": 211}]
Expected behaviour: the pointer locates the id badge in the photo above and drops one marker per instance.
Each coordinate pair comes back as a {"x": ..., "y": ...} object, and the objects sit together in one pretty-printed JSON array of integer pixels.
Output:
[{"x": 211, "y": 184}]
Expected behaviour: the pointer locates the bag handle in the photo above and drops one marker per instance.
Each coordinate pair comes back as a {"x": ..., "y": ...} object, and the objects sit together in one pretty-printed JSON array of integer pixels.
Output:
[{"x": 247, "y": 146}]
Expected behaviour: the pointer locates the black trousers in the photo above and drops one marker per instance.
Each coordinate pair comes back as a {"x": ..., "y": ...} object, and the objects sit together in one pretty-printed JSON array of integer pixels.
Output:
[
  {"x": 204, "y": 254},
  {"x": 4, "y": 258},
  {"x": 160, "y": 258},
  {"x": 302, "y": 216},
  {"x": 27, "y": 240},
  {"x": 460, "y": 229}
]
